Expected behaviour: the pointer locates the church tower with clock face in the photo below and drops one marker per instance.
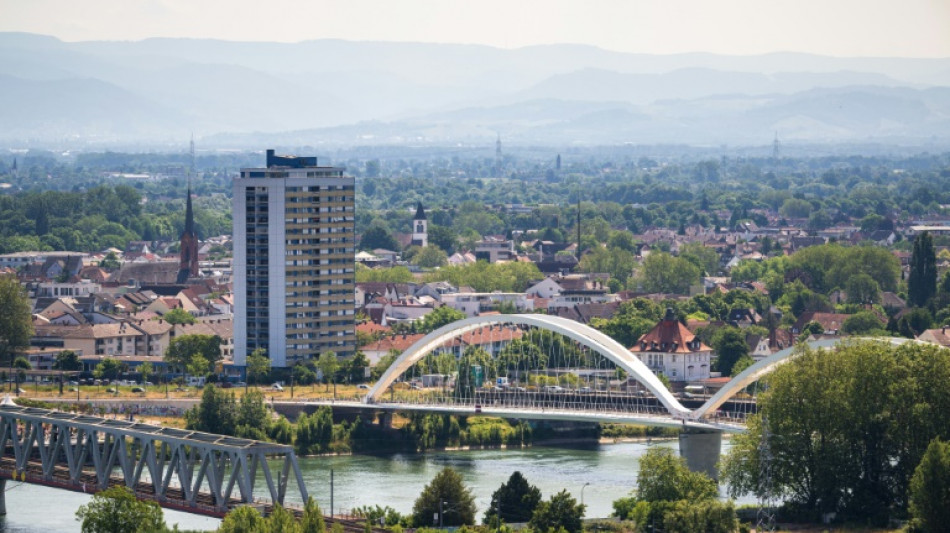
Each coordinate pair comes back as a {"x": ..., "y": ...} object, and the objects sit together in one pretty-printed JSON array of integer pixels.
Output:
[{"x": 420, "y": 227}]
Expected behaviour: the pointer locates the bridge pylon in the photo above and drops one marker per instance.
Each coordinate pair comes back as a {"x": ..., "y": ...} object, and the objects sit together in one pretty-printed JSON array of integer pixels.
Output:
[{"x": 701, "y": 448}]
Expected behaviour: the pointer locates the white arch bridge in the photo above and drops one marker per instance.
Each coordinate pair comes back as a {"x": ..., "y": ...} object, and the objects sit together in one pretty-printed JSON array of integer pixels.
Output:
[{"x": 573, "y": 372}]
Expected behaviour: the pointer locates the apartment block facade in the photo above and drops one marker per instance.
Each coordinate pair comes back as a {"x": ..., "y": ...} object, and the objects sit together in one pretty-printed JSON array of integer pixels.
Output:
[{"x": 294, "y": 260}]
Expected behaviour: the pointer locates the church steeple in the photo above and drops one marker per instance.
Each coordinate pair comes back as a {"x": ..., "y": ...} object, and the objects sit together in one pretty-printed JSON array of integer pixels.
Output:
[
  {"x": 189, "y": 216},
  {"x": 188, "y": 264},
  {"x": 420, "y": 227}
]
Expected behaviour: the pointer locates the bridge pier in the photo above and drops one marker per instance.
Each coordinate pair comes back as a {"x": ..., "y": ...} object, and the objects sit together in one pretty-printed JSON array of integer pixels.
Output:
[
  {"x": 701, "y": 449},
  {"x": 385, "y": 419}
]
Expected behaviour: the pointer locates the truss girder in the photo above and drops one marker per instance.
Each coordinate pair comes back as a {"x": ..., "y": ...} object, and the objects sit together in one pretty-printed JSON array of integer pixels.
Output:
[{"x": 170, "y": 466}]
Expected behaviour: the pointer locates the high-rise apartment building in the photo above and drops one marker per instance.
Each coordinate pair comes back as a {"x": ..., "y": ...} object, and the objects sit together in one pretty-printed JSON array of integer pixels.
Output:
[{"x": 294, "y": 263}]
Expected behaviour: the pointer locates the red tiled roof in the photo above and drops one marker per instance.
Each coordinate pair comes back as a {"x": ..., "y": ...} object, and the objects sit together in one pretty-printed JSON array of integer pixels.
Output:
[{"x": 669, "y": 336}]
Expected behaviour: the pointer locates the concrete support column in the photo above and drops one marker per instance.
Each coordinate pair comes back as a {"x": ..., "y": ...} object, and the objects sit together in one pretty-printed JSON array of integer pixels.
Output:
[
  {"x": 386, "y": 419},
  {"x": 701, "y": 449},
  {"x": 3, "y": 497}
]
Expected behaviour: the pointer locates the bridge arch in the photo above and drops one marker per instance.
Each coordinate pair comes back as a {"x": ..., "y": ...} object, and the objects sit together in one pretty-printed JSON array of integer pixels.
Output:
[
  {"x": 769, "y": 364},
  {"x": 583, "y": 334}
]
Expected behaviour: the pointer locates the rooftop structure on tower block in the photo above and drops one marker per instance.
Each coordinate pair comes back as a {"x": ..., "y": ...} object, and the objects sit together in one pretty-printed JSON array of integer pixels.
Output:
[
  {"x": 674, "y": 351},
  {"x": 294, "y": 277}
]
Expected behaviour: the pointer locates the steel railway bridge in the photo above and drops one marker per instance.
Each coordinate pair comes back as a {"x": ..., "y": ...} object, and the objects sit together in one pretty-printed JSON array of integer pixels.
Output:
[{"x": 183, "y": 470}]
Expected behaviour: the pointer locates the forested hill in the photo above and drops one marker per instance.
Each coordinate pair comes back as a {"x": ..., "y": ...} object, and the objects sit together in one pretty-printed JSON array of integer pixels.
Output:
[{"x": 347, "y": 93}]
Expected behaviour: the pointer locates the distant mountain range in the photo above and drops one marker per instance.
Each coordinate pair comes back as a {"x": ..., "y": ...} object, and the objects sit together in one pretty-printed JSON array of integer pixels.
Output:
[{"x": 331, "y": 92}]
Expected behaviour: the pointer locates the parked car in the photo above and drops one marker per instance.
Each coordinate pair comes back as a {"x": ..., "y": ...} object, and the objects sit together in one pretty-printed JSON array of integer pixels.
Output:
[
  {"x": 277, "y": 387},
  {"x": 363, "y": 386}
]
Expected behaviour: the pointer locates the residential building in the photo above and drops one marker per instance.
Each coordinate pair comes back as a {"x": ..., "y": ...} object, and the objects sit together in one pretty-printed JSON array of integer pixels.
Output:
[
  {"x": 294, "y": 278},
  {"x": 674, "y": 351},
  {"x": 477, "y": 303},
  {"x": 494, "y": 248}
]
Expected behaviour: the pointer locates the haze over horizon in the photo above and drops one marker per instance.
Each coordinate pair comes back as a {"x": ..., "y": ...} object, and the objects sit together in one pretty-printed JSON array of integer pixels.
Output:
[
  {"x": 843, "y": 28},
  {"x": 540, "y": 72}
]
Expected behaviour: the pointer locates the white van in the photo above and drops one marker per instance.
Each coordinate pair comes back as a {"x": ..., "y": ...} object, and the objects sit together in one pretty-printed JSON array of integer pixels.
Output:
[{"x": 195, "y": 381}]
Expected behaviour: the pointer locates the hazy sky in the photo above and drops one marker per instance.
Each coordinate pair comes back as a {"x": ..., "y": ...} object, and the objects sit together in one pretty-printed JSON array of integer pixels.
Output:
[{"x": 911, "y": 28}]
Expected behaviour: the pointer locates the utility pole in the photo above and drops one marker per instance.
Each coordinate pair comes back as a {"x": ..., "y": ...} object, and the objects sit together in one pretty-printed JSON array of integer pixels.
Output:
[
  {"x": 578, "y": 251},
  {"x": 765, "y": 517}
]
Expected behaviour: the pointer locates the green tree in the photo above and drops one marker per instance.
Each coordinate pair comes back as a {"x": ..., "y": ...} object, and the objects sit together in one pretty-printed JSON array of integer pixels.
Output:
[
  {"x": 108, "y": 368},
  {"x": 708, "y": 516},
  {"x": 914, "y": 322},
  {"x": 922, "y": 280},
  {"x": 312, "y": 520},
  {"x": 116, "y": 510},
  {"x": 437, "y": 318},
  {"x": 560, "y": 512},
  {"x": 863, "y": 290},
  {"x": 281, "y": 520},
  {"x": 795, "y": 208},
  {"x": 863, "y": 323},
  {"x": 215, "y": 413},
  {"x": 663, "y": 482},
  {"x": 665, "y": 477},
  {"x": 258, "y": 365},
  {"x": 444, "y": 499},
  {"x": 617, "y": 262},
  {"x": 443, "y": 237},
  {"x": 378, "y": 236},
  {"x": 182, "y": 348},
  {"x": 399, "y": 274},
  {"x": 67, "y": 360},
  {"x": 355, "y": 367},
  {"x": 198, "y": 366},
  {"x": 930, "y": 489},
  {"x": 514, "y": 501},
  {"x": 730, "y": 346},
  {"x": 329, "y": 364},
  {"x": 431, "y": 257},
  {"x": 314, "y": 432},
  {"x": 16, "y": 322},
  {"x": 662, "y": 272},
  {"x": 146, "y": 370},
  {"x": 622, "y": 240},
  {"x": 243, "y": 519},
  {"x": 110, "y": 262},
  {"x": 872, "y": 411},
  {"x": 253, "y": 418},
  {"x": 705, "y": 258},
  {"x": 179, "y": 316},
  {"x": 383, "y": 364},
  {"x": 632, "y": 319}
]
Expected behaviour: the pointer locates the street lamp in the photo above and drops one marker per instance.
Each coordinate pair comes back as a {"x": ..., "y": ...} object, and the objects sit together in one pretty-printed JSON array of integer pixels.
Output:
[{"x": 582, "y": 492}]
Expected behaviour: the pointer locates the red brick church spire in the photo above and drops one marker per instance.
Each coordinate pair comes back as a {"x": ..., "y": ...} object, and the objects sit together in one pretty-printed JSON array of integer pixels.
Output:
[{"x": 188, "y": 266}]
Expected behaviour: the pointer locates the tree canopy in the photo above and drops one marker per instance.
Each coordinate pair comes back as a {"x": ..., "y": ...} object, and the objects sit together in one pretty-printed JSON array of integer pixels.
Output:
[
  {"x": 445, "y": 497},
  {"x": 872, "y": 411},
  {"x": 514, "y": 501},
  {"x": 117, "y": 510},
  {"x": 16, "y": 321}
]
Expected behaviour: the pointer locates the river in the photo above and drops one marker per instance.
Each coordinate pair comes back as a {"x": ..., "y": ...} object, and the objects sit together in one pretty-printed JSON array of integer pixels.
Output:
[{"x": 393, "y": 480}]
